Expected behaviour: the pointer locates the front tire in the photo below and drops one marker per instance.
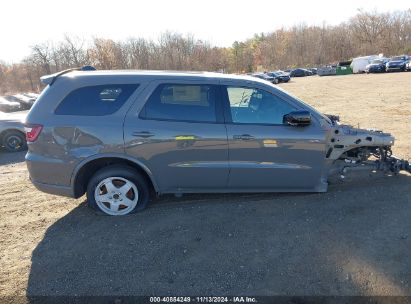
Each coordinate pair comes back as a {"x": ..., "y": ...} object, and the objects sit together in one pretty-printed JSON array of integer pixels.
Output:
[{"x": 118, "y": 190}]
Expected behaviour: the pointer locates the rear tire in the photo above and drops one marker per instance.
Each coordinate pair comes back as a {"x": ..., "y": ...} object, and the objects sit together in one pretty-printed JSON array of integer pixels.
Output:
[
  {"x": 118, "y": 190},
  {"x": 14, "y": 141}
]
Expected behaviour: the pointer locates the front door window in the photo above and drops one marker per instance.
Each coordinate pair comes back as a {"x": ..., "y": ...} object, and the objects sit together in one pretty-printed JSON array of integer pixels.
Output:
[{"x": 255, "y": 106}]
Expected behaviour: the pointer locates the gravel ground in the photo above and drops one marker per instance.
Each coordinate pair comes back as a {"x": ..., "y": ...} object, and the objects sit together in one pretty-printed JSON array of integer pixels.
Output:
[{"x": 353, "y": 240}]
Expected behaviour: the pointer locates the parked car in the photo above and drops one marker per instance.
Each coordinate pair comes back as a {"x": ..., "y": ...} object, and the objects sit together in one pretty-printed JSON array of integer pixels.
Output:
[
  {"x": 9, "y": 106},
  {"x": 31, "y": 95},
  {"x": 327, "y": 70},
  {"x": 279, "y": 76},
  {"x": 397, "y": 63},
  {"x": 300, "y": 73},
  {"x": 309, "y": 72},
  {"x": 26, "y": 101},
  {"x": 376, "y": 66},
  {"x": 120, "y": 135},
  {"x": 12, "y": 133},
  {"x": 408, "y": 65},
  {"x": 265, "y": 77},
  {"x": 314, "y": 71}
]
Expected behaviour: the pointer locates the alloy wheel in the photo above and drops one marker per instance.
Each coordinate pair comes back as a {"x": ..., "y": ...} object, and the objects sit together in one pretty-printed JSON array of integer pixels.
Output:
[
  {"x": 14, "y": 143},
  {"x": 116, "y": 195}
]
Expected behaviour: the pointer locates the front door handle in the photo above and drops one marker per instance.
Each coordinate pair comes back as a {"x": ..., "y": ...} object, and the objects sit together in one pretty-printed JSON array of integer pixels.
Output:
[
  {"x": 243, "y": 137},
  {"x": 143, "y": 134}
]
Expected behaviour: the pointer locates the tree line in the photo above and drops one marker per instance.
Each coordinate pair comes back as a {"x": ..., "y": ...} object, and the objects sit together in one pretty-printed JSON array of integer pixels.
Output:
[{"x": 301, "y": 45}]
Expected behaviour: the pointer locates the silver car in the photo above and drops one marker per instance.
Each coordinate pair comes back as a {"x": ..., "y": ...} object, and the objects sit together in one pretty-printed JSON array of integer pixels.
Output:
[
  {"x": 120, "y": 136},
  {"x": 12, "y": 133}
]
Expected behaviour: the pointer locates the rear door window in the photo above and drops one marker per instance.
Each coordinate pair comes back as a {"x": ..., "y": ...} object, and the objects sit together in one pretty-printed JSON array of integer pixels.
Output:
[
  {"x": 95, "y": 100},
  {"x": 182, "y": 102}
]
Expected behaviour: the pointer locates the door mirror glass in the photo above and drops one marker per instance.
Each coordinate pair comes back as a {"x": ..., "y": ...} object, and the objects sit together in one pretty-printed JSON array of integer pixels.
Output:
[{"x": 297, "y": 118}]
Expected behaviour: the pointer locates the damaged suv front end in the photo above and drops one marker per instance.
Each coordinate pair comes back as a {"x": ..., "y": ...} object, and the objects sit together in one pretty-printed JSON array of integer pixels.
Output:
[{"x": 350, "y": 148}]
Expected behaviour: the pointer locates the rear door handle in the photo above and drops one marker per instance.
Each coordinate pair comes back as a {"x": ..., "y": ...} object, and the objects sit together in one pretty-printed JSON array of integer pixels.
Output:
[
  {"x": 143, "y": 134},
  {"x": 244, "y": 137}
]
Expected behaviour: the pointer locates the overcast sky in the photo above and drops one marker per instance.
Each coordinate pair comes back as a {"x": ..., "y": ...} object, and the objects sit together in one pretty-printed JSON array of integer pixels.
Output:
[{"x": 27, "y": 22}]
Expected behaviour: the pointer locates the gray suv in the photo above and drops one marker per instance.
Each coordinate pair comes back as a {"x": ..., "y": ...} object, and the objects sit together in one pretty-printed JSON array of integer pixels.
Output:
[{"x": 121, "y": 136}]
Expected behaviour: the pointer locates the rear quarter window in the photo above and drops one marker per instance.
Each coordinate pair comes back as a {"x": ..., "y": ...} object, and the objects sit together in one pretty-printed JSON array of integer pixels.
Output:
[{"x": 95, "y": 100}]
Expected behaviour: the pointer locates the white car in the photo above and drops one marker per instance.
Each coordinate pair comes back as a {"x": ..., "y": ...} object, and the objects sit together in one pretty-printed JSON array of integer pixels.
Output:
[{"x": 12, "y": 133}]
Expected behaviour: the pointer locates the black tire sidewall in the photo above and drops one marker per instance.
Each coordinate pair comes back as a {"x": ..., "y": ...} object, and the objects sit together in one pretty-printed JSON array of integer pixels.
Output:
[
  {"x": 119, "y": 171},
  {"x": 19, "y": 135}
]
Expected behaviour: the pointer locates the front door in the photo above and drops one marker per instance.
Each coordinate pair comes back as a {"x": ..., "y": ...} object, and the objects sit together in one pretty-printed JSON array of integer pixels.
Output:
[{"x": 264, "y": 153}]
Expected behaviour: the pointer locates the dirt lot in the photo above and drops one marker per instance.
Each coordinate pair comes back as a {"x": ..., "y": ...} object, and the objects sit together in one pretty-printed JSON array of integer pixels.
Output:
[{"x": 353, "y": 240}]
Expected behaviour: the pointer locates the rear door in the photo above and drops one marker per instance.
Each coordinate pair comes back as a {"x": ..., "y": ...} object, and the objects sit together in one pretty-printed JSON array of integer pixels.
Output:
[
  {"x": 264, "y": 153},
  {"x": 178, "y": 133}
]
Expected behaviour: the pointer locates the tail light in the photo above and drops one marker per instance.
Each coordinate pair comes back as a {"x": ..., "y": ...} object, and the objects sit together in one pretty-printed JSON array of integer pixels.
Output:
[{"x": 32, "y": 132}]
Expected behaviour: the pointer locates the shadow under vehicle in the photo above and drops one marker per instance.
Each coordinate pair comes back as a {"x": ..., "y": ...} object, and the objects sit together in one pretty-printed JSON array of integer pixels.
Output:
[{"x": 353, "y": 240}]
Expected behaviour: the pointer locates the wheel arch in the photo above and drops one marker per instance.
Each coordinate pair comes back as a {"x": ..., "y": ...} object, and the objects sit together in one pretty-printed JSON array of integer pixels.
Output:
[{"x": 85, "y": 170}]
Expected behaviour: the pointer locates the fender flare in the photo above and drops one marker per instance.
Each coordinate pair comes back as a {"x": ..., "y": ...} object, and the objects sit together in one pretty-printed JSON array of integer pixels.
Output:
[{"x": 113, "y": 155}]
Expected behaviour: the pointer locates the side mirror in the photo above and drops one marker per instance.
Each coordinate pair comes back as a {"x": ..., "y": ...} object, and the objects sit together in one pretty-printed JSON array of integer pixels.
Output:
[{"x": 297, "y": 118}]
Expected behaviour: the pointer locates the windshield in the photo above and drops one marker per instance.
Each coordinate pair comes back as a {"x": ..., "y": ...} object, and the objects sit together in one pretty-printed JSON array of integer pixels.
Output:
[
  {"x": 376, "y": 61},
  {"x": 398, "y": 58},
  {"x": 261, "y": 75}
]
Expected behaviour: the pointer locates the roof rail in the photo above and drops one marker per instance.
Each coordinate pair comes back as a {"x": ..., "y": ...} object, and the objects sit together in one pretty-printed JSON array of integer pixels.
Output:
[{"x": 50, "y": 79}]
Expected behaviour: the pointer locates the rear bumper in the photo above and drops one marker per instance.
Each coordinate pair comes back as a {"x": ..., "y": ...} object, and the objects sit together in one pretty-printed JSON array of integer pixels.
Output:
[
  {"x": 50, "y": 175},
  {"x": 54, "y": 189}
]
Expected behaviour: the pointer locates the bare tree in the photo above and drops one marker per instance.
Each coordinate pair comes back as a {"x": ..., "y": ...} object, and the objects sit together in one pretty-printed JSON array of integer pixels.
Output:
[
  {"x": 41, "y": 54},
  {"x": 300, "y": 45}
]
